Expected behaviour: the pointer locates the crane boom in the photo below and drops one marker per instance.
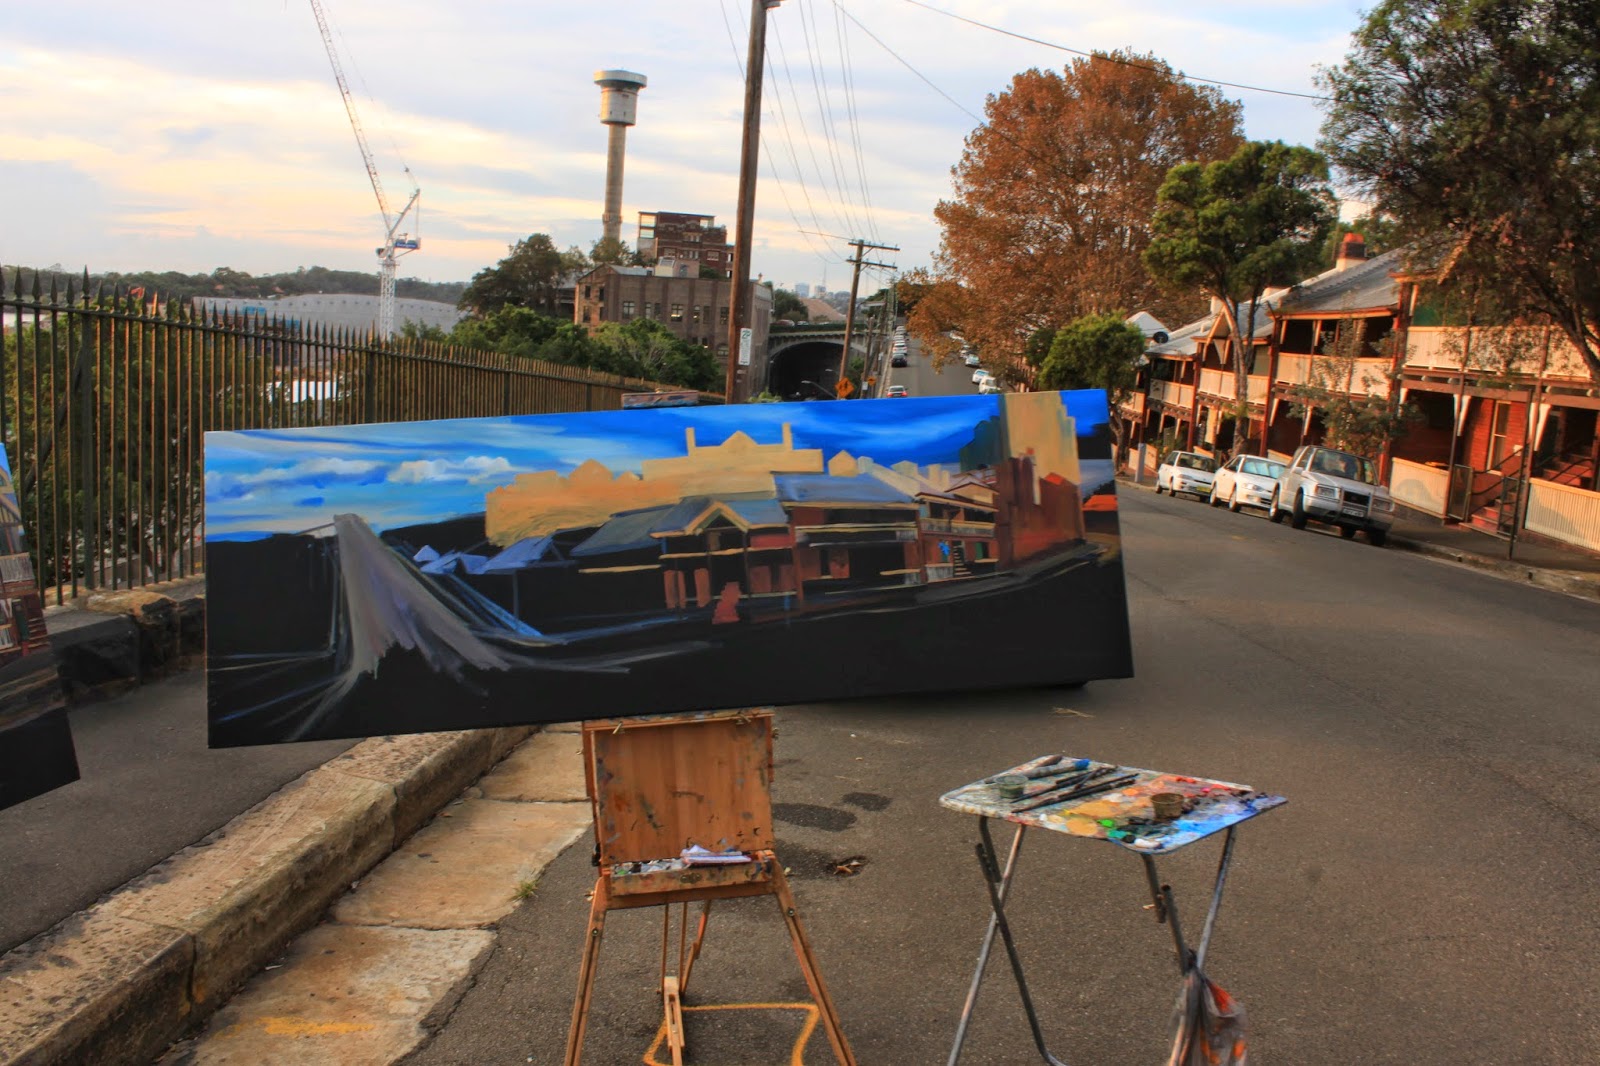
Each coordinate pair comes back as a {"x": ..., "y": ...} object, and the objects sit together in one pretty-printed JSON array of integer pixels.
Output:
[{"x": 392, "y": 239}]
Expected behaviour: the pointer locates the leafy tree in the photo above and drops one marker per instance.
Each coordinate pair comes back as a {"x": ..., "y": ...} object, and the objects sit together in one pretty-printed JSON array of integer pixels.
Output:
[
  {"x": 1355, "y": 417},
  {"x": 645, "y": 348},
  {"x": 1473, "y": 123},
  {"x": 1037, "y": 348},
  {"x": 1054, "y": 193},
  {"x": 530, "y": 276},
  {"x": 1094, "y": 352},
  {"x": 1236, "y": 227},
  {"x": 612, "y": 251},
  {"x": 786, "y": 304}
]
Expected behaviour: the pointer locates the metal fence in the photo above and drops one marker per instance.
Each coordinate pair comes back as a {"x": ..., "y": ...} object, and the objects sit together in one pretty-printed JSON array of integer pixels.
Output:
[{"x": 106, "y": 397}]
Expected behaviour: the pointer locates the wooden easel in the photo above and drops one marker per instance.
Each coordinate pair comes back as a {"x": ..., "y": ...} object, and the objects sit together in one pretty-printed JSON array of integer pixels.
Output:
[{"x": 658, "y": 786}]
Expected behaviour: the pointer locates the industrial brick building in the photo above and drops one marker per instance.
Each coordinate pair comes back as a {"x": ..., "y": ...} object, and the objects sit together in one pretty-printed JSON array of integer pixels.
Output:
[{"x": 695, "y": 238}]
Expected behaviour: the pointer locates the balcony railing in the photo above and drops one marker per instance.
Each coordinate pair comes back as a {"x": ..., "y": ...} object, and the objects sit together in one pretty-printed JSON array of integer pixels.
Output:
[
  {"x": 1172, "y": 393},
  {"x": 956, "y": 528}
]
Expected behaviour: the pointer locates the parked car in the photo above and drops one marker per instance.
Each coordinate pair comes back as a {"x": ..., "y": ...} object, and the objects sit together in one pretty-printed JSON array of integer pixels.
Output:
[
  {"x": 1188, "y": 472},
  {"x": 979, "y": 375},
  {"x": 895, "y": 390},
  {"x": 898, "y": 359},
  {"x": 1246, "y": 481},
  {"x": 990, "y": 384},
  {"x": 971, "y": 358},
  {"x": 1335, "y": 487}
]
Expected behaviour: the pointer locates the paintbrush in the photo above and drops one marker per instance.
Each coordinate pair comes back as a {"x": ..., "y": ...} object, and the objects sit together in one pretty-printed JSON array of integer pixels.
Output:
[
  {"x": 1065, "y": 779},
  {"x": 1027, "y": 769},
  {"x": 1062, "y": 795}
]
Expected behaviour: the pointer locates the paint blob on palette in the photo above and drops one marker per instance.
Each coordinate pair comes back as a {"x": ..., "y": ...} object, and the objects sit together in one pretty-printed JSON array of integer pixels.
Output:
[
  {"x": 1142, "y": 810},
  {"x": 380, "y": 579},
  {"x": 36, "y": 753}
]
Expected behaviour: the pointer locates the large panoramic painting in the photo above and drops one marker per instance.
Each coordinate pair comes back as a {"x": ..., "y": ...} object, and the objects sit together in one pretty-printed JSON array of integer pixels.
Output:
[
  {"x": 455, "y": 574},
  {"x": 36, "y": 752}
]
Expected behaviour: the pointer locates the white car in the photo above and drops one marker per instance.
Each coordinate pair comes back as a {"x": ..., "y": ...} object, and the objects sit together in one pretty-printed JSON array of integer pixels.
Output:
[
  {"x": 1335, "y": 487},
  {"x": 971, "y": 358},
  {"x": 979, "y": 375},
  {"x": 1246, "y": 481},
  {"x": 1188, "y": 472},
  {"x": 989, "y": 384}
]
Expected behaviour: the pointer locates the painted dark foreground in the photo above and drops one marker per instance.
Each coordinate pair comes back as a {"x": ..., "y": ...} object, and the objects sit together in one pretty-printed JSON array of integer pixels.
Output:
[
  {"x": 36, "y": 753},
  {"x": 765, "y": 566}
]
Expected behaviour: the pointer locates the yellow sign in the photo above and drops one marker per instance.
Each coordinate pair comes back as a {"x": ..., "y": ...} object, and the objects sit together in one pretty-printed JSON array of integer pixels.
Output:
[{"x": 844, "y": 388}]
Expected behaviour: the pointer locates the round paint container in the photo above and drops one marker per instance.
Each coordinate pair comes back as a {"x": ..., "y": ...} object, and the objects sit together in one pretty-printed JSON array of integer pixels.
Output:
[
  {"x": 1008, "y": 787},
  {"x": 1168, "y": 805}
]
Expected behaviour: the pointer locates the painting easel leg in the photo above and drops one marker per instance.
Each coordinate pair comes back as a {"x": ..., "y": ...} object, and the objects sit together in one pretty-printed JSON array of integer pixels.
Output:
[
  {"x": 591, "y": 959},
  {"x": 808, "y": 967}
]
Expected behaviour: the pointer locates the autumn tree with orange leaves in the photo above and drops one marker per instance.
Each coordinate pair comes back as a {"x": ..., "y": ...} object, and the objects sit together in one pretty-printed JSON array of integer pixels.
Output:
[{"x": 1054, "y": 195}]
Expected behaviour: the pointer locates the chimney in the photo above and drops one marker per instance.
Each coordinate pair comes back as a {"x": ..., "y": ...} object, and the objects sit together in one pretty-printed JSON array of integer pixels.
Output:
[{"x": 1352, "y": 250}]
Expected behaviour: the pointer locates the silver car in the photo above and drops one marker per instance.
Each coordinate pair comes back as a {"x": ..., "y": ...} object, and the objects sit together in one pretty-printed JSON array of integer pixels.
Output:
[
  {"x": 1246, "y": 481},
  {"x": 1335, "y": 487}
]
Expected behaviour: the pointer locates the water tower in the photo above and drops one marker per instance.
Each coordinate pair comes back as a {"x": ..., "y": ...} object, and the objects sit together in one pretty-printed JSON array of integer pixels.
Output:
[{"x": 619, "y": 109}]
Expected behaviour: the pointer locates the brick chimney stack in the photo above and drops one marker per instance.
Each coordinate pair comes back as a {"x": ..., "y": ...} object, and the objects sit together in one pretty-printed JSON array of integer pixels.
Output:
[{"x": 1352, "y": 250}]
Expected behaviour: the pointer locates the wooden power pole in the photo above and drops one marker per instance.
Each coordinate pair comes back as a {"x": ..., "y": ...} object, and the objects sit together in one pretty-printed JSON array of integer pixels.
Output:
[
  {"x": 749, "y": 154},
  {"x": 856, "y": 263}
]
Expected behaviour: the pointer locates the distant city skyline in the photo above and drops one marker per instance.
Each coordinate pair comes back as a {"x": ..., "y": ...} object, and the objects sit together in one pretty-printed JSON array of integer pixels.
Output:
[{"x": 196, "y": 143}]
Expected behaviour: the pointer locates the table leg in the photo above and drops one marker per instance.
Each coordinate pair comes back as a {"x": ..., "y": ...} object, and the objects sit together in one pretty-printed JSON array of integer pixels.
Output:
[{"x": 998, "y": 884}]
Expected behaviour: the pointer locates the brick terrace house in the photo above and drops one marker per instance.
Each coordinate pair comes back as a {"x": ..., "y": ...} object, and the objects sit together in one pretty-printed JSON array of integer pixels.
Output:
[{"x": 1507, "y": 437}]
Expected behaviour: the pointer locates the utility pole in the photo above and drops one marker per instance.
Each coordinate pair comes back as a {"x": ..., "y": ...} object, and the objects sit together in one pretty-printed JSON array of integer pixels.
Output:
[
  {"x": 749, "y": 151},
  {"x": 856, "y": 263}
]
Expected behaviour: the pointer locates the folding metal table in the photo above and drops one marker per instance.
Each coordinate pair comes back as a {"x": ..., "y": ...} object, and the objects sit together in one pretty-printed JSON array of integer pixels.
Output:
[{"x": 1123, "y": 816}]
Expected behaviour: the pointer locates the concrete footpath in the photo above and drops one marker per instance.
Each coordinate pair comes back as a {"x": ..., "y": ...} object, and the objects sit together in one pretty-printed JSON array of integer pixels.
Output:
[{"x": 144, "y": 966}]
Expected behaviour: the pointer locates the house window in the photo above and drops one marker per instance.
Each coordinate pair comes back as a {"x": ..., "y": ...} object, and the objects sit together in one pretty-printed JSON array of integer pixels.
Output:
[
  {"x": 1499, "y": 434},
  {"x": 586, "y": 292},
  {"x": 722, "y": 315},
  {"x": 655, "y": 310},
  {"x": 677, "y": 312},
  {"x": 713, "y": 256},
  {"x": 627, "y": 308},
  {"x": 694, "y": 314}
]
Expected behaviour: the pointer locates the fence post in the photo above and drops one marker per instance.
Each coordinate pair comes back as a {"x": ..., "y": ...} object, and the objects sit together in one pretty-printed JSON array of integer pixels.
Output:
[{"x": 88, "y": 481}]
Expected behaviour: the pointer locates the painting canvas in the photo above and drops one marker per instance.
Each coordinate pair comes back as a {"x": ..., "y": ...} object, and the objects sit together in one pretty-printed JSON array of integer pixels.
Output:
[
  {"x": 36, "y": 753},
  {"x": 398, "y": 578}
]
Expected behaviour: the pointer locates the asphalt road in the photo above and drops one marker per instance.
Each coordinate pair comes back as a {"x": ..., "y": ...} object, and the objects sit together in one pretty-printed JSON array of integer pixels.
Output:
[
  {"x": 149, "y": 787},
  {"x": 920, "y": 379},
  {"x": 1427, "y": 896}
]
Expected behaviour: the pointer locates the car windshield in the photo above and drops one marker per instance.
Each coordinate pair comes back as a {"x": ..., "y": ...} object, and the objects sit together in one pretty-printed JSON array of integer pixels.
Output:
[
  {"x": 1345, "y": 465},
  {"x": 1197, "y": 462},
  {"x": 1262, "y": 468}
]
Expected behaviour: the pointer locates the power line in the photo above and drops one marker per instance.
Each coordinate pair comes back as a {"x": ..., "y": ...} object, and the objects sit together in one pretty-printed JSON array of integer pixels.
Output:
[
  {"x": 1113, "y": 59},
  {"x": 855, "y": 119},
  {"x": 825, "y": 114},
  {"x": 783, "y": 58},
  {"x": 738, "y": 61}
]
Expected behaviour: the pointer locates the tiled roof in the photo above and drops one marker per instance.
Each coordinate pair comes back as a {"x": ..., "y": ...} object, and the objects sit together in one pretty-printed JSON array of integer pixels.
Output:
[
  {"x": 628, "y": 531},
  {"x": 525, "y": 551}
]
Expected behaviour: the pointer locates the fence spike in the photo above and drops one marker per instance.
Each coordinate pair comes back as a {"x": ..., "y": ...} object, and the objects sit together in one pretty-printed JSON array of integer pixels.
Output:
[
  {"x": 36, "y": 287},
  {"x": 55, "y": 294}
]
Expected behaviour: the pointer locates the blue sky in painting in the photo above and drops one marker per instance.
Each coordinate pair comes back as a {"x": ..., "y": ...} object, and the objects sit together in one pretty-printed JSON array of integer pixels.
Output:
[{"x": 395, "y": 474}]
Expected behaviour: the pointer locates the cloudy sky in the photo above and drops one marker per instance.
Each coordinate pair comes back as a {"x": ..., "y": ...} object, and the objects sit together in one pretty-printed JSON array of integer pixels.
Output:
[
  {"x": 294, "y": 480},
  {"x": 189, "y": 135}
]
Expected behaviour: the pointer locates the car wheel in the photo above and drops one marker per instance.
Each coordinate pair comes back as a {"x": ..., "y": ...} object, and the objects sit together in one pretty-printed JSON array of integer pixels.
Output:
[
  {"x": 1376, "y": 537},
  {"x": 1347, "y": 532},
  {"x": 1298, "y": 518},
  {"x": 1214, "y": 500},
  {"x": 1273, "y": 514},
  {"x": 1158, "y": 486},
  {"x": 1233, "y": 500}
]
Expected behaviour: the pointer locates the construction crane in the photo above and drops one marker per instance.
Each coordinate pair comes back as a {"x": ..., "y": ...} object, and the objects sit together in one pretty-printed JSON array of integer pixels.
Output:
[{"x": 395, "y": 242}]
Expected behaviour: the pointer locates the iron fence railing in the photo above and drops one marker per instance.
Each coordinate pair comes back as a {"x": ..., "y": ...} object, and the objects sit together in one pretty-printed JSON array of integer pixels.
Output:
[{"x": 106, "y": 397}]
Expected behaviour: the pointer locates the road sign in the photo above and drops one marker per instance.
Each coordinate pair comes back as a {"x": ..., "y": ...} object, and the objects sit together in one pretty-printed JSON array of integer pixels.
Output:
[
  {"x": 844, "y": 388},
  {"x": 746, "y": 342}
]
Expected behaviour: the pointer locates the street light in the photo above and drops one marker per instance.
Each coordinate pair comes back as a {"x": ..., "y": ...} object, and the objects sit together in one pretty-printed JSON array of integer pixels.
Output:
[{"x": 826, "y": 392}]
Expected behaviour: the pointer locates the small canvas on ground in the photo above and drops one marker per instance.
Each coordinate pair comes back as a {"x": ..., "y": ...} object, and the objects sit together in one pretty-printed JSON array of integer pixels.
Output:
[
  {"x": 36, "y": 753},
  {"x": 457, "y": 574}
]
